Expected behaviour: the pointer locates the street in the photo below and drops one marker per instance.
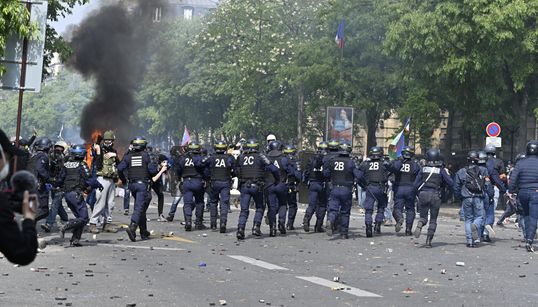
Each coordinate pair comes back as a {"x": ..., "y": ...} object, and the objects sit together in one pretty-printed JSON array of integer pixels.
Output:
[{"x": 205, "y": 268}]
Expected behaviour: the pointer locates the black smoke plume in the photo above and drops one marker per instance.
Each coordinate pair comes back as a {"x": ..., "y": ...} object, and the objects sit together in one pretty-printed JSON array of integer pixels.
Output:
[{"x": 109, "y": 47}]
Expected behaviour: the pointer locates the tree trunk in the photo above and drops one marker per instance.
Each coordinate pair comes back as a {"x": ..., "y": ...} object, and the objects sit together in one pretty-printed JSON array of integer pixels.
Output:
[
  {"x": 371, "y": 126},
  {"x": 521, "y": 104},
  {"x": 449, "y": 134},
  {"x": 300, "y": 115}
]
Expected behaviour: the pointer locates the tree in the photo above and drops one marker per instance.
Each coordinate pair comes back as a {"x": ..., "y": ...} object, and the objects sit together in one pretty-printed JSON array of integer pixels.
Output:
[{"x": 14, "y": 19}]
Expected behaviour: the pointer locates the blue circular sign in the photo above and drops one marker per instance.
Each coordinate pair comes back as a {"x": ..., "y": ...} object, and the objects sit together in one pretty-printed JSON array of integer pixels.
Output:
[{"x": 493, "y": 129}]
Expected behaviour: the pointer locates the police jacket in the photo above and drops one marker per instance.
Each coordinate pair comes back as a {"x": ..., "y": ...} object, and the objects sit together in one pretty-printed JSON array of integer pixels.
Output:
[
  {"x": 276, "y": 158},
  {"x": 293, "y": 167},
  {"x": 461, "y": 191},
  {"x": 341, "y": 171},
  {"x": 433, "y": 177},
  {"x": 39, "y": 166},
  {"x": 138, "y": 166},
  {"x": 374, "y": 172},
  {"x": 252, "y": 167},
  {"x": 405, "y": 172},
  {"x": 75, "y": 176},
  {"x": 524, "y": 176},
  {"x": 221, "y": 167},
  {"x": 495, "y": 168},
  {"x": 314, "y": 169},
  {"x": 192, "y": 166}
]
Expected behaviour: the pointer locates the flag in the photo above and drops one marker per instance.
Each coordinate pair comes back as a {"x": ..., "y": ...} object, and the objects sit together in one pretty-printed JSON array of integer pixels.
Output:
[
  {"x": 186, "y": 137},
  {"x": 396, "y": 146},
  {"x": 339, "y": 39}
]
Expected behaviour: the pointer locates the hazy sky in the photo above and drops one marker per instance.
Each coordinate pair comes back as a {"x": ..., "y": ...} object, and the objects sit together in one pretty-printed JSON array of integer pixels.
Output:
[{"x": 79, "y": 12}]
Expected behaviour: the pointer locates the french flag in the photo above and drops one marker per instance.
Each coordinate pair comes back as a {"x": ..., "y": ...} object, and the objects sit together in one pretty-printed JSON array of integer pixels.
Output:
[{"x": 339, "y": 39}]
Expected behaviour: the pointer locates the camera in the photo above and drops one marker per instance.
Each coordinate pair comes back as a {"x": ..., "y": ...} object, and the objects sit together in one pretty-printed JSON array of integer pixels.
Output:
[{"x": 22, "y": 181}]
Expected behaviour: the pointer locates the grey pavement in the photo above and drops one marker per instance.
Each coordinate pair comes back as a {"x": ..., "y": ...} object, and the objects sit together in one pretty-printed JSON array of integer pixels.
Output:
[{"x": 205, "y": 268}]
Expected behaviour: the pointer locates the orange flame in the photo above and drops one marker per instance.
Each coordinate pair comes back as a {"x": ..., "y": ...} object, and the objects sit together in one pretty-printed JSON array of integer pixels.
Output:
[{"x": 96, "y": 134}]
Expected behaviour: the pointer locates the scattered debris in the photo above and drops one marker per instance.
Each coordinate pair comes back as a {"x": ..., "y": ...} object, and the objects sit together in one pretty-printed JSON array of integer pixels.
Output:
[{"x": 460, "y": 263}]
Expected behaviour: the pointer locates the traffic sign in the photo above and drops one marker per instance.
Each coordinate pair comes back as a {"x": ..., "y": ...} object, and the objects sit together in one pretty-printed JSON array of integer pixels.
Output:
[
  {"x": 493, "y": 129},
  {"x": 495, "y": 141}
]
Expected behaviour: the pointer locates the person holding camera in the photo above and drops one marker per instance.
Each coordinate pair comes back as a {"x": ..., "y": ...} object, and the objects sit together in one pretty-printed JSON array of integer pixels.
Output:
[{"x": 19, "y": 246}]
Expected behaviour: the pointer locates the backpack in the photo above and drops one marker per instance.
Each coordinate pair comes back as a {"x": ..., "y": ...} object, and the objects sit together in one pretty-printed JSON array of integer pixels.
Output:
[{"x": 474, "y": 181}]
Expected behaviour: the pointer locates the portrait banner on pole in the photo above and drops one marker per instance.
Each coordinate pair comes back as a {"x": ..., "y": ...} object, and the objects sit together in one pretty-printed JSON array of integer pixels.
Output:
[{"x": 339, "y": 124}]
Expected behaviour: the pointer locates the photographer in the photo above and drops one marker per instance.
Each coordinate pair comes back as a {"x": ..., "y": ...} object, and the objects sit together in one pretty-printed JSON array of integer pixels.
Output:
[{"x": 18, "y": 246}]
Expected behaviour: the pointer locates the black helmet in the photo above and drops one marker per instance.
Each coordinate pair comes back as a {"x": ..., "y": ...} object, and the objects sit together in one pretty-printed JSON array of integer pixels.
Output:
[
  {"x": 220, "y": 146},
  {"x": 42, "y": 144},
  {"x": 274, "y": 145},
  {"x": 290, "y": 149},
  {"x": 532, "y": 148},
  {"x": 520, "y": 156},
  {"x": 139, "y": 143},
  {"x": 433, "y": 157},
  {"x": 78, "y": 151},
  {"x": 194, "y": 147},
  {"x": 472, "y": 156},
  {"x": 345, "y": 147},
  {"x": 490, "y": 150},
  {"x": 482, "y": 157},
  {"x": 408, "y": 152},
  {"x": 252, "y": 145},
  {"x": 375, "y": 153},
  {"x": 334, "y": 145}
]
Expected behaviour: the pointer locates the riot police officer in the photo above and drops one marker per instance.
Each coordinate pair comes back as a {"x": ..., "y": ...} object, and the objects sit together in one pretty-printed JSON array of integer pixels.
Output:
[
  {"x": 432, "y": 177},
  {"x": 374, "y": 176},
  {"x": 317, "y": 199},
  {"x": 342, "y": 172},
  {"x": 497, "y": 175},
  {"x": 39, "y": 166},
  {"x": 140, "y": 169},
  {"x": 405, "y": 186},
  {"x": 251, "y": 167},
  {"x": 221, "y": 168},
  {"x": 277, "y": 192},
  {"x": 56, "y": 158},
  {"x": 524, "y": 181},
  {"x": 191, "y": 169},
  {"x": 293, "y": 178},
  {"x": 75, "y": 178}
]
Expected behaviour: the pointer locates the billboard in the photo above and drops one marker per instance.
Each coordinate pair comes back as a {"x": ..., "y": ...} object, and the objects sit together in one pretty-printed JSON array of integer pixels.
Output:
[{"x": 340, "y": 124}]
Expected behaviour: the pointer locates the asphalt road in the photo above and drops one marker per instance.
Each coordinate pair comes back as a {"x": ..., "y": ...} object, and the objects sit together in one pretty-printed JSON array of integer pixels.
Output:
[{"x": 205, "y": 268}]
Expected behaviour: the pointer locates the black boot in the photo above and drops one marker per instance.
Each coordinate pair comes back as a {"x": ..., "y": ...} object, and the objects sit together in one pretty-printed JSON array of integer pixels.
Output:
[
  {"x": 306, "y": 223},
  {"x": 399, "y": 224},
  {"x": 75, "y": 243},
  {"x": 170, "y": 218},
  {"x": 222, "y": 227},
  {"x": 67, "y": 226},
  {"x": 240, "y": 233},
  {"x": 408, "y": 230},
  {"x": 199, "y": 225},
  {"x": 131, "y": 231},
  {"x": 144, "y": 233},
  {"x": 256, "y": 230},
  {"x": 369, "y": 233},
  {"x": 282, "y": 228},
  {"x": 214, "y": 226},
  {"x": 272, "y": 230},
  {"x": 290, "y": 226},
  {"x": 188, "y": 226},
  {"x": 377, "y": 228},
  {"x": 429, "y": 241},
  {"x": 319, "y": 226}
]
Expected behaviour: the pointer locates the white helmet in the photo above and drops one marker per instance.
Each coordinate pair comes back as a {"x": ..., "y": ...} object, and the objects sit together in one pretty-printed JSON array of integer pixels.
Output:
[{"x": 271, "y": 137}]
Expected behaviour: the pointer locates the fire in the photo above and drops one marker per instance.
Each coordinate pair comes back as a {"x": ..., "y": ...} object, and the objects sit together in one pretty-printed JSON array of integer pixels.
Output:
[{"x": 96, "y": 136}]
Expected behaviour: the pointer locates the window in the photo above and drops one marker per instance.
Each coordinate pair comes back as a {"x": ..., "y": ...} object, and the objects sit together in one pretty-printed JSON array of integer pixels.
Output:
[
  {"x": 157, "y": 14},
  {"x": 187, "y": 13}
]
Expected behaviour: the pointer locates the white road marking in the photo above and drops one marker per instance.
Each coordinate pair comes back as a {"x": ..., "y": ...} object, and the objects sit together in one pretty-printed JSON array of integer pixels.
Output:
[
  {"x": 262, "y": 264},
  {"x": 141, "y": 247},
  {"x": 335, "y": 285}
]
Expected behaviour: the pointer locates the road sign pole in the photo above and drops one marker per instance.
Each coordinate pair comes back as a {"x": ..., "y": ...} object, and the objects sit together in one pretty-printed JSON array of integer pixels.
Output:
[{"x": 21, "y": 87}]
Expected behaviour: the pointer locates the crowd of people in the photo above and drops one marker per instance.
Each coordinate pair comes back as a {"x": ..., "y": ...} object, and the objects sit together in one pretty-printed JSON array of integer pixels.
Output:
[{"x": 267, "y": 177}]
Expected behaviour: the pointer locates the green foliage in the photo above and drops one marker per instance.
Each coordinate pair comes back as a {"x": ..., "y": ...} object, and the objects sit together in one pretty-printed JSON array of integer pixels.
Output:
[{"x": 59, "y": 103}]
